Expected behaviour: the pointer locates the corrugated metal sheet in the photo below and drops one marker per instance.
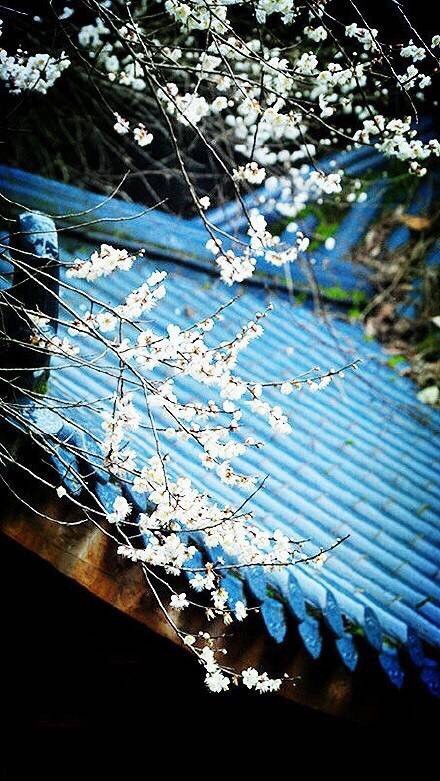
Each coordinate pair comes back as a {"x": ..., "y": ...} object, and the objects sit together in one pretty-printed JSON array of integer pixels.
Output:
[
  {"x": 363, "y": 460},
  {"x": 184, "y": 240}
]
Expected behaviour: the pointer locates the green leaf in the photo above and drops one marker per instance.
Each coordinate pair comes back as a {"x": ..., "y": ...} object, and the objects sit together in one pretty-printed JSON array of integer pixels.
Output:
[{"x": 395, "y": 360}]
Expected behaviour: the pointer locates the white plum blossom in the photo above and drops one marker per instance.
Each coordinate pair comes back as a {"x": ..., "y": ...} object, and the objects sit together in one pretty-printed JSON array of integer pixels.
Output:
[
  {"x": 121, "y": 509},
  {"x": 122, "y": 126},
  {"x": 415, "y": 53},
  {"x": 366, "y": 37},
  {"x": 429, "y": 395},
  {"x": 307, "y": 64},
  {"x": 219, "y": 104},
  {"x": 66, "y": 13},
  {"x": 330, "y": 243},
  {"x": 265, "y": 8},
  {"x": 217, "y": 681},
  {"x": 189, "y": 108},
  {"x": 271, "y": 98},
  {"x": 179, "y": 601},
  {"x": 142, "y": 136},
  {"x": 235, "y": 268},
  {"x": 106, "y": 322},
  {"x": 240, "y": 611},
  {"x": 250, "y": 172},
  {"x": 327, "y": 183},
  {"x": 205, "y": 202},
  {"x": 316, "y": 33},
  {"x": 90, "y": 35},
  {"x": 252, "y": 679},
  {"x": 55, "y": 345}
]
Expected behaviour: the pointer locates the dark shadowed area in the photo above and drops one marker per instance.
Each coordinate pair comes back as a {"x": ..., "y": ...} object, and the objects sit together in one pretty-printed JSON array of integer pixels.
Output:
[{"x": 74, "y": 662}]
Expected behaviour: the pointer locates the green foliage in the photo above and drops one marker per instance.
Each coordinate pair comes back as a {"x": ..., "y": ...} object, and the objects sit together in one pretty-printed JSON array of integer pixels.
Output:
[
  {"x": 429, "y": 346},
  {"x": 395, "y": 360},
  {"x": 359, "y": 298},
  {"x": 337, "y": 293},
  {"x": 41, "y": 384}
]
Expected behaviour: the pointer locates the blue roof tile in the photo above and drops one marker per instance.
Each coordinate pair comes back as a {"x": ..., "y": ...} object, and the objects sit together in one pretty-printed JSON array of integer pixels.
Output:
[{"x": 363, "y": 460}]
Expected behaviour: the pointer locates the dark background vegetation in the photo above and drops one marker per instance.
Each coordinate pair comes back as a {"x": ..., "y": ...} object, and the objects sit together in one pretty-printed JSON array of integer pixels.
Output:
[{"x": 68, "y": 134}]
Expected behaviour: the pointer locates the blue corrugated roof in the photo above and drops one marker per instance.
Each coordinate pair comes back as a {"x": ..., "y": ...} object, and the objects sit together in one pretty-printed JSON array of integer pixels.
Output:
[
  {"x": 185, "y": 240},
  {"x": 363, "y": 458}
]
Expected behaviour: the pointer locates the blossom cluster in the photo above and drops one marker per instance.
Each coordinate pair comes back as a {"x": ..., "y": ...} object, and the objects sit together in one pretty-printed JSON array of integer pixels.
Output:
[
  {"x": 275, "y": 109},
  {"x": 179, "y": 512},
  {"x": 218, "y": 680},
  {"x": 398, "y": 139},
  {"x": 23, "y": 72},
  {"x": 38, "y": 72},
  {"x": 232, "y": 74},
  {"x": 140, "y": 133},
  {"x": 146, "y": 357},
  {"x": 102, "y": 263},
  {"x": 235, "y": 267}
]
